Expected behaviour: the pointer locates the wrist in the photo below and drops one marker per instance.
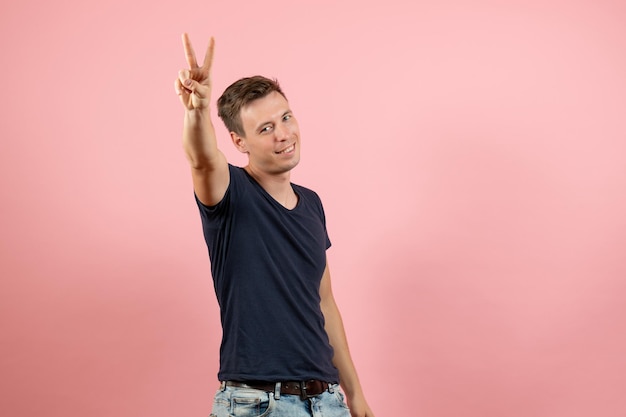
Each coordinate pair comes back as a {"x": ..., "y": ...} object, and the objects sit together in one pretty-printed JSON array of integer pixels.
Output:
[
  {"x": 196, "y": 113},
  {"x": 198, "y": 118},
  {"x": 352, "y": 392}
]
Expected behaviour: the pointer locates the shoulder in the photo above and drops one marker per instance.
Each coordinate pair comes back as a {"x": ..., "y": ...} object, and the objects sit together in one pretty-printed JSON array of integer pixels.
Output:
[
  {"x": 306, "y": 192},
  {"x": 309, "y": 199},
  {"x": 235, "y": 170},
  {"x": 237, "y": 178}
]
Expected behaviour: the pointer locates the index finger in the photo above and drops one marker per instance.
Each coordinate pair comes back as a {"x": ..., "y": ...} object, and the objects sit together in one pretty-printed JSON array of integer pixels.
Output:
[{"x": 190, "y": 55}]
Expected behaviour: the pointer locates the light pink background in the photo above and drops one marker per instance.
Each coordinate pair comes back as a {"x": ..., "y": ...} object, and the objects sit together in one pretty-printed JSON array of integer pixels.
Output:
[{"x": 472, "y": 160}]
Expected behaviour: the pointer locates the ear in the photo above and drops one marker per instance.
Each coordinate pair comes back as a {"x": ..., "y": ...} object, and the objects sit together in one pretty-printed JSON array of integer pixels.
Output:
[{"x": 239, "y": 142}]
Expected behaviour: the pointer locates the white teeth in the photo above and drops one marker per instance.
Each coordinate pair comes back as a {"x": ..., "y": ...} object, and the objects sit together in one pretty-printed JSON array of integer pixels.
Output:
[{"x": 289, "y": 149}]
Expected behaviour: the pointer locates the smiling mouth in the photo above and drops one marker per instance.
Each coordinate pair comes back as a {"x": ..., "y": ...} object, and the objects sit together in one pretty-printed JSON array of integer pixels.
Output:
[{"x": 287, "y": 149}]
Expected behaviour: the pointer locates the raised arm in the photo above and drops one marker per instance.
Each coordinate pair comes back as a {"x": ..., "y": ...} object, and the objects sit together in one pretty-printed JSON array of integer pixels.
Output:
[{"x": 209, "y": 168}]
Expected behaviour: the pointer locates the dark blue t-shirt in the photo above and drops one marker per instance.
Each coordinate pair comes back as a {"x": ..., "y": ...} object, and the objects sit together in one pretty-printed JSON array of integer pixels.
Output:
[{"x": 267, "y": 263}]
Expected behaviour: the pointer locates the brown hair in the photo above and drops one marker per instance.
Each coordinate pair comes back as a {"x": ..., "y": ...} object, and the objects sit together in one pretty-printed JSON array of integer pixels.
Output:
[{"x": 238, "y": 95}]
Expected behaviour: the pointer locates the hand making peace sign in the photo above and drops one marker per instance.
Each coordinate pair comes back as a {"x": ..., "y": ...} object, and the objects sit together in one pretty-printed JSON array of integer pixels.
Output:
[{"x": 193, "y": 85}]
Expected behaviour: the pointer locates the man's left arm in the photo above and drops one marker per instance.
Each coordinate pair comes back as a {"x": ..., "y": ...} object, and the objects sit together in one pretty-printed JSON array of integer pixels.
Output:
[{"x": 342, "y": 360}]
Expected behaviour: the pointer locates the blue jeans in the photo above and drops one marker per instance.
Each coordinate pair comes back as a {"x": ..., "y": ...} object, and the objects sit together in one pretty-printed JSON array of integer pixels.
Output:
[{"x": 246, "y": 402}]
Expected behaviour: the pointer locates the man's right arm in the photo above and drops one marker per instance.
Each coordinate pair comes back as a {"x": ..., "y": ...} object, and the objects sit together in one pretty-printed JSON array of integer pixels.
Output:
[{"x": 209, "y": 168}]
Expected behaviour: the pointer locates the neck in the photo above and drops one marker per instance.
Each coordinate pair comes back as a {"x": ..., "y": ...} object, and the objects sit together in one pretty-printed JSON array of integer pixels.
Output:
[{"x": 276, "y": 185}]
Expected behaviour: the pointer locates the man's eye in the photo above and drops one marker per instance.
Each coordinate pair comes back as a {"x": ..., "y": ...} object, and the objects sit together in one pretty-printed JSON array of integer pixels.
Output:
[
  {"x": 286, "y": 117},
  {"x": 266, "y": 129}
]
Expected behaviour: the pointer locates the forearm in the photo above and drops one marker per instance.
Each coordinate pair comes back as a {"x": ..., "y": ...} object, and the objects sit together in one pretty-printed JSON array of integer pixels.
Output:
[
  {"x": 199, "y": 140},
  {"x": 342, "y": 359}
]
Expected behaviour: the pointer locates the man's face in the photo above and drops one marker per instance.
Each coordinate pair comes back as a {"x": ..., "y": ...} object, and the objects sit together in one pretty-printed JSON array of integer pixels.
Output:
[{"x": 272, "y": 136}]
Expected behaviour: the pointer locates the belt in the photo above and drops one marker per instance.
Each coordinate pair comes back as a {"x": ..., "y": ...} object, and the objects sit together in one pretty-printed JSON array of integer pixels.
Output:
[{"x": 305, "y": 389}]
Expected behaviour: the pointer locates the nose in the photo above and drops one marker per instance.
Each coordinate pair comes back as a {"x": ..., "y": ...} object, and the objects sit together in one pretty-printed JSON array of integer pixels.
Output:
[{"x": 282, "y": 132}]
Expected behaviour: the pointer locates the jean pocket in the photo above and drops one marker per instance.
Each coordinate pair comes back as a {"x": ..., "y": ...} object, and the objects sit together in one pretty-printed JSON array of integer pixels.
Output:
[
  {"x": 251, "y": 403},
  {"x": 340, "y": 396},
  {"x": 221, "y": 404}
]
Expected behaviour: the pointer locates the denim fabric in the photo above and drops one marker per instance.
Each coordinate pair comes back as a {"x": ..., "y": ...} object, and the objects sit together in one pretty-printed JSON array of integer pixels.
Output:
[{"x": 245, "y": 402}]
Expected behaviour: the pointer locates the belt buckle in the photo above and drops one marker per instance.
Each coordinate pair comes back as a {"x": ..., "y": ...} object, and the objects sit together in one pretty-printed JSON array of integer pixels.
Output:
[{"x": 303, "y": 393}]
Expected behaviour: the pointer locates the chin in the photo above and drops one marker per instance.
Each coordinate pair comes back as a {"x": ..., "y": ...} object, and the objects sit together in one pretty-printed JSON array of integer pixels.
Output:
[
  {"x": 286, "y": 167},
  {"x": 294, "y": 163}
]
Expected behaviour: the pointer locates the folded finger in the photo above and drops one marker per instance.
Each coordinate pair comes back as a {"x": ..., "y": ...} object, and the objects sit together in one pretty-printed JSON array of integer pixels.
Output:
[
  {"x": 184, "y": 75},
  {"x": 178, "y": 87}
]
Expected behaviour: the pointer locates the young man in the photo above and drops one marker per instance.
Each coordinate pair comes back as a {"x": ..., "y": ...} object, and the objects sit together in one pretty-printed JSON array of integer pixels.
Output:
[{"x": 284, "y": 349}]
